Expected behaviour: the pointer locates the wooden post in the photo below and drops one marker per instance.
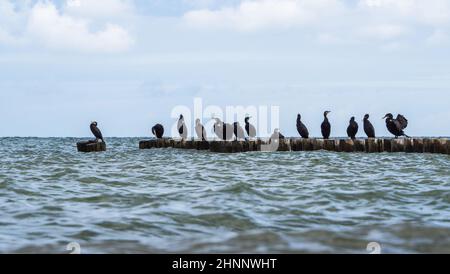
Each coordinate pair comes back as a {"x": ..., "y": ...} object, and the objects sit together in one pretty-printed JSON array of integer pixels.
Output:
[
  {"x": 307, "y": 144},
  {"x": 329, "y": 144},
  {"x": 318, "y": 144},
  {"x": 296, "y": 145},
  {"x": 360, "y": 145},
  {"x": 428, "y": 146},
  {"x": 284, "y": 145},
  {"x": 374, "y": 145},
  {"x": 90, "y": 146},
  {"x": 398, "y": 145},
  {"x": 252, "y": 145},
  {"x": 237, "y": 146},
  {"x": 387, "y": 145},
  {"x": 409, "y": 145},
  {"x": 440, "y": 146},
  {"x": 143, "y": 144},
  {"x": 214, "y": 146},
  {"x": 418, "y": 145},
  {"x": 189, "y": 144},
  {"x": 202, "y": 145},
  {"x": 346, "y": 145}
]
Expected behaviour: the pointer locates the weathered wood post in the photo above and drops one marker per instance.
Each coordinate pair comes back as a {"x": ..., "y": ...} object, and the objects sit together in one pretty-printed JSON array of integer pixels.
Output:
[
  {"x": 329, "y": 144},
  {"x": 360, "y": 145},
  {"x": 440, "y": 146},
  {"x": 318, "y": 144},
  {"x": 428, "y": 146},
  {"x": 189, "y": 144},
  {"x": 201, "y": 145},
  {"x": 284, "y": 145},
  {"x": 143, "y": 144},
  {"x": 237, "y": 146},
  {"x": 418, "y": 145},
  {"x": 346, "y": 145},
  {"x": 296, "y": 145},
  {"x": 398, "y": 145},
  {"x": 374, "y": 145},
  {"x": 214, "y": 146},
  {"x": 387, "y": 145},
  {"x": 409, "y": 145},
  {"x": 252, "y": 145},
  {"x": 307, "y": 144},
  {"x": 90, "y": 146}
]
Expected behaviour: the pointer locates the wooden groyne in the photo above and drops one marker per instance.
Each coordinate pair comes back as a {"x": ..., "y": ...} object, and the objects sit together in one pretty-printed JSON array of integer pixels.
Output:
[
  {"x": 409, "y": 145},
  {"x": 90, "y": 146}
]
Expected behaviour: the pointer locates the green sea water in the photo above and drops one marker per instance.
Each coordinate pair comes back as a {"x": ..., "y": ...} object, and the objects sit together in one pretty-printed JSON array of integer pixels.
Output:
[{"x": 127, "y": 200}]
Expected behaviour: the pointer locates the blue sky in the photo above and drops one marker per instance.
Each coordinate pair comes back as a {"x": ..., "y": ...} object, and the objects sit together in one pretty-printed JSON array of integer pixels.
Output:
[{"x": 127, "y": 64}]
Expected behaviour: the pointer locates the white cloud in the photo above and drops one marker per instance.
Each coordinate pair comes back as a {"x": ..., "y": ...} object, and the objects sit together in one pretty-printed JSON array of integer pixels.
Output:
[
  {"x": 439, "y": 38},
  {"x": 430, "y": 12},
  {"x": 257, "y": 14},
  {"x": 43, "y": 24},
  {"x": 383, "y": 31},
  {"x": 11, "y": 21},
  {"x": 7, "y": 38},
  {"x": 98, "y": 8},
  {"x": 55, "y": 30}
]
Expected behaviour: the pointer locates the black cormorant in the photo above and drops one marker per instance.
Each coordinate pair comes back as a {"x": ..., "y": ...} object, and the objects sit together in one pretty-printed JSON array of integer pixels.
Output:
[
  {"x": 218, "y": 128},
  {"x": 368, "y": 127},
  {"x": 223, "y": 130},
  {"x": 238, "y": 131},
  {"x": 276, "y": 135},
  {"x": 352, "y": 128},
  {"x": 396, "y": 126},
  {"x": 200, "y": 130},
  {"x": 158, "y": 131},
  {"x": 249, "y": 128},
  {"x": 301, "y": 128},
  {"x": 326, "y": 126},
  {"x": 182, "y": 129},
  {"x": 96, "y": 131}
]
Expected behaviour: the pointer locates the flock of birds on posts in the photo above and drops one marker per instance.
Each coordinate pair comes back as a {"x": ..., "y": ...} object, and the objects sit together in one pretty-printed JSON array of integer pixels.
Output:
[{"x": 225, "y": 131}]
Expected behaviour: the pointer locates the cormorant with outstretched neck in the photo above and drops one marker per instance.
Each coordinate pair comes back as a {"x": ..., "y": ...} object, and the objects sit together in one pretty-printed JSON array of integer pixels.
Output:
[
  {"x": 396, "y": 126},
  {"x": 158, "y": 131},
  {"x": 96, "y": 131},
  {"x": 301, "y": 128},
  {"x": 249, "y": 128},
  {"x": 368, "y": 127},
  {"x": 200, "y": 130},
  {"x": 326, "y": 126},
  {"x": 238, "y": 131},
  {"x": 352, "y": 128},
  {"x": 182, "y": 129}
]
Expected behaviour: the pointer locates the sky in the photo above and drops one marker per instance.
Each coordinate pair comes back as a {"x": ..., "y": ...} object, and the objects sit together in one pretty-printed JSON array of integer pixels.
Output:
[{"x": 129, "y": 64}]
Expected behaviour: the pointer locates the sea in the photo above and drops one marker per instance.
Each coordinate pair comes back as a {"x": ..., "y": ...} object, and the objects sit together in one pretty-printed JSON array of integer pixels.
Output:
[{"x": 167, "y": 200}]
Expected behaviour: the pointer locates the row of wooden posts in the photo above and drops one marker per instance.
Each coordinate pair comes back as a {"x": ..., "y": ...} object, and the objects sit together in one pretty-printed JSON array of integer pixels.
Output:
[{"x": 371, "y": 145}]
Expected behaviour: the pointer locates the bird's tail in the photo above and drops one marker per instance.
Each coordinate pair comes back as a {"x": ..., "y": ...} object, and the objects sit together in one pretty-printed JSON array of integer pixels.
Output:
[{"x": 404, "y": 134}]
